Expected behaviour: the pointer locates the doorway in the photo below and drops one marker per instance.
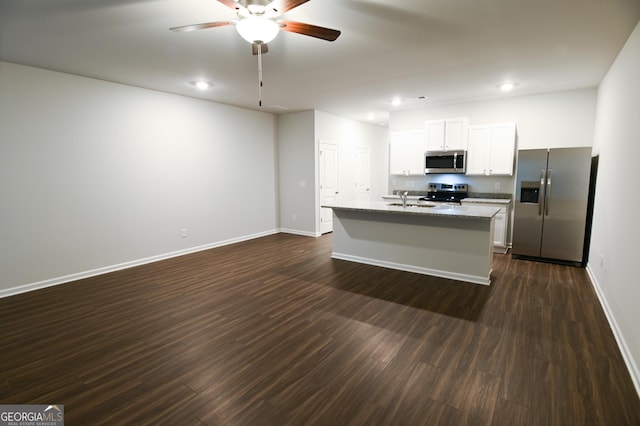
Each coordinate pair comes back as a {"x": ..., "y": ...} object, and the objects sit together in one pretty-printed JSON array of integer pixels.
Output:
[
  {"x": 328, "y": 184},
  {"x": 363, "y": 176}
]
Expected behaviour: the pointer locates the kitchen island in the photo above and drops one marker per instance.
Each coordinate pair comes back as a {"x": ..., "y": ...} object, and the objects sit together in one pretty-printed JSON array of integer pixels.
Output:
[{"x": 443, "y": 240}]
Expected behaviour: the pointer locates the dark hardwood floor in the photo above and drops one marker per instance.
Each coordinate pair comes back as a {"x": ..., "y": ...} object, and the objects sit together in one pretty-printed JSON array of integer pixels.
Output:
[{"x": 274, "y": 332}]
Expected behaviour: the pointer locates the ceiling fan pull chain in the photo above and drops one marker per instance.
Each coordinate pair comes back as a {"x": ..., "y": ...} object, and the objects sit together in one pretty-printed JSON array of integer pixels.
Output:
[{"x": 260, "y": 75}]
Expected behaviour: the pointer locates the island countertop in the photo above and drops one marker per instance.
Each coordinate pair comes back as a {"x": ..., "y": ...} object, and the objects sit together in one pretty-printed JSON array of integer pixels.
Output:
[
  {"x": 497, "y": 201},
  {"x": 424, "y": 208}
]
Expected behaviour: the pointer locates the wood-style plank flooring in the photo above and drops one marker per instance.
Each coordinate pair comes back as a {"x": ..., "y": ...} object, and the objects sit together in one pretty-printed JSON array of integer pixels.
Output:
[{"x": 274, "y": 332}]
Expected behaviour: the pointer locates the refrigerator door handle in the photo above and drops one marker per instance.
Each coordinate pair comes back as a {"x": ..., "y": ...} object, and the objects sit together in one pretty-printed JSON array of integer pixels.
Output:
[
  {"x": 543, "y": 178},
  {"x": 547, "y": 192}
]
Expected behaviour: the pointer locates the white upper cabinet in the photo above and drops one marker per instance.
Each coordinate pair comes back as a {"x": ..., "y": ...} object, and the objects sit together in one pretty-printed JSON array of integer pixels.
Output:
[
  {"x": 491, "y": 149},
  {"x": 435, "y": 130},
  {"x": 447, "y": 135},
  {"x": 479, "y": 150},
  {"x": 406, "y": 153}
]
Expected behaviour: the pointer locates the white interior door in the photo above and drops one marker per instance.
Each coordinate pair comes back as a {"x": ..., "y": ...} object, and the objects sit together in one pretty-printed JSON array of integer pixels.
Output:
[
  {"x": 363, "y": 176},
  {"x": 328, "y": 184}
]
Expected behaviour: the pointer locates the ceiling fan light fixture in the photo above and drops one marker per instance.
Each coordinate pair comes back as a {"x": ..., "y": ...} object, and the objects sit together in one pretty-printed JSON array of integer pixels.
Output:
[{"x": 258, "y": 30}]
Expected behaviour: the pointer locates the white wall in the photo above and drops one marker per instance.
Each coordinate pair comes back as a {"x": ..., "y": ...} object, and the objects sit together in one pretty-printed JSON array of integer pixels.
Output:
[
  {"x": 299, "y": 135},
  {"x": 616, "y": 230},
  {"x": 553, "y": 120},
  {"x": 297, "y": 170},
  {"x": 95, "y": 174},
  {"x": 349, "y": 135}
]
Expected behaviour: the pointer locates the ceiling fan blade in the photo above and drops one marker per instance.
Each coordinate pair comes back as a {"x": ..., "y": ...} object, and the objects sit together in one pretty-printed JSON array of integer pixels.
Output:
[
  {"x": 203, "y": 26},
  {"x": 309, "y": 30},
  {"x": 230, "y": 4},
  {"x": 194, "y": 27},
  {"x": 281, "y": 6},
  {"x": 254, "y": 48}
]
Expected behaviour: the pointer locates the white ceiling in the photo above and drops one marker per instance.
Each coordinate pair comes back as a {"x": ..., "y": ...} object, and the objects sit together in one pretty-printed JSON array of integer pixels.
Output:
[{"x": 447, "y": 50}]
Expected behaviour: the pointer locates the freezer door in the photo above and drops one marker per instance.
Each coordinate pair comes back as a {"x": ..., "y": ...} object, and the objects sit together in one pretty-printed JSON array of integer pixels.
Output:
[
  {"x": 565, "y": 208},
  {"x": 529, "y": 202}
]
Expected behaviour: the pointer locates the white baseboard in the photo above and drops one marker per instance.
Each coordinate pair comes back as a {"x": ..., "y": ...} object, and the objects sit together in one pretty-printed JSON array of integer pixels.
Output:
[
  {"x": 299, "y": 232},
  {"x": 99, "y": 271},
  {"x": 417, "y": 269},
  {"x": 622, "y": 344}
]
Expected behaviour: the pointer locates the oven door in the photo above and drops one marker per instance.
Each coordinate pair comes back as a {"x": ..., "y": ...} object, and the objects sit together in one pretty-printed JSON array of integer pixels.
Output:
[{"x": 444, "y": 162}]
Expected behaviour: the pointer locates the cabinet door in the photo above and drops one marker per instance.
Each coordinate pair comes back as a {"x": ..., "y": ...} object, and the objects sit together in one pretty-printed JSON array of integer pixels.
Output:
[
  {"x": 435, "y": 133},
  {"x": 406, "y": 153},
  {"x": 500, "y": 230},
  {"x": 415, "y": 148},
  {"x": 397, "y": 156},
  {"x": 503, "y": 142},
  {"x": 455, "y": 136},
  {"x": 479, "y": 150}
]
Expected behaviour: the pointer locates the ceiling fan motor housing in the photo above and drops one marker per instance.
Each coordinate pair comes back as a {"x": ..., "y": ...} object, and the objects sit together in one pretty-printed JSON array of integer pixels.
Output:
[
  {"x": 246, "y": 3},
  {"x": 256, "y": 7}
]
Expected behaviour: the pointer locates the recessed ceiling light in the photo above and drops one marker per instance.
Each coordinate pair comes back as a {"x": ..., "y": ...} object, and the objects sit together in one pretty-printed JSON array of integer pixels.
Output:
[
  {"x": 507, "y": 87},
  {"x": 396, "y": 101},
  {"x": 202, "y": 85}
]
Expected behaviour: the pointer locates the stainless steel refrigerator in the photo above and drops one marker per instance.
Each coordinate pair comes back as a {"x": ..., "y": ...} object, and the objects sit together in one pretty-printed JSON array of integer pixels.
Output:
[{"x": 551, "y": 204}]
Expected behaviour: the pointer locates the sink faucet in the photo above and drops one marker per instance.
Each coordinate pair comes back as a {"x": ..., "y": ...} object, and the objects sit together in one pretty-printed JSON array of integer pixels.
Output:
[{"x": 403, "y": 197}]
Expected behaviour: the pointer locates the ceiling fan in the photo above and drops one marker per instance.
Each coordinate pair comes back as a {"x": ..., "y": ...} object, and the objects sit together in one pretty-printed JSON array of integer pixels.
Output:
[{"x": 258, "y": 22}]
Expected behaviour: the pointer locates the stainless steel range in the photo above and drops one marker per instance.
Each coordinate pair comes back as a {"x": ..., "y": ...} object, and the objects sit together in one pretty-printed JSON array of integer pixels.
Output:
[{"x": 446, "y": 192}]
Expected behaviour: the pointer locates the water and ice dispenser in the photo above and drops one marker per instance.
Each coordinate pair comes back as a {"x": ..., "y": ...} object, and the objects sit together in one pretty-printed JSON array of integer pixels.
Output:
[{"x": 530, "y": 192}]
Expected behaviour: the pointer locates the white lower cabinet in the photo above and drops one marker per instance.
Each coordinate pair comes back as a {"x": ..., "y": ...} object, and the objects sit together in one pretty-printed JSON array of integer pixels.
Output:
[
  {"x": 500, "y": 230},
  {"x": 501, "y": 225}
]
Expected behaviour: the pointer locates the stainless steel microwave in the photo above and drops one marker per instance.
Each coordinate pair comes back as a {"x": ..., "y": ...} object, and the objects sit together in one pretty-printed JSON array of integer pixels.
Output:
[{"x": 445, "y": 162}]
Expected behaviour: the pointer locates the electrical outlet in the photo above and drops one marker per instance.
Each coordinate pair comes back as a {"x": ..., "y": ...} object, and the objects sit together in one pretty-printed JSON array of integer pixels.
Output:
[
  {"x": 602, "y": 260},
  {"x": 183, "y": 233},
  {"x": 497, "y": 185},
  {"x": 293, "y": 216}
]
